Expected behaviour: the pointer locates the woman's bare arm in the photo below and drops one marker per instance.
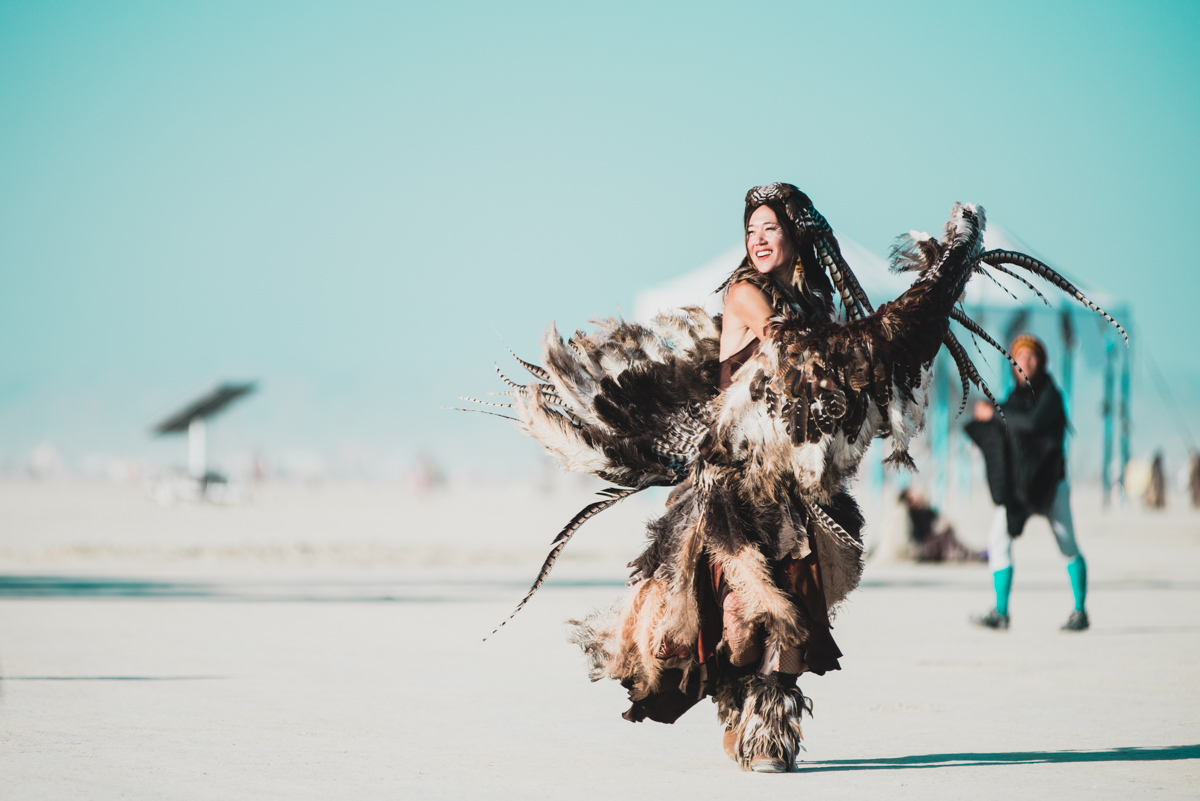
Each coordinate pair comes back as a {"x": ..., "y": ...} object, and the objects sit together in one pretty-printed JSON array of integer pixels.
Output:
[{"x": 746, "y": 316}]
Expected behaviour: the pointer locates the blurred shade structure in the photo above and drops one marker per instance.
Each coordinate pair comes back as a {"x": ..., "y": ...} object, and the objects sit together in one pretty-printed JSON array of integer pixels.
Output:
[{"x": 191, "y": 418}]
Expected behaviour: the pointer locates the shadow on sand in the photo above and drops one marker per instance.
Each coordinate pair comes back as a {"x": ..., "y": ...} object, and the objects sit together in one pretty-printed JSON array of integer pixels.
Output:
[
  {"x": 110, "y": 678},
  {"x": 272, "y": 591},
  {"x": 1159, "y": 754},
  {"x": 44, "y": 587}
]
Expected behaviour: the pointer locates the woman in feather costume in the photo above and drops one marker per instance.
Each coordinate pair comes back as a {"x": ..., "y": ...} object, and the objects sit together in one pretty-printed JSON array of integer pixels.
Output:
[{"x": 759, "y": 419}]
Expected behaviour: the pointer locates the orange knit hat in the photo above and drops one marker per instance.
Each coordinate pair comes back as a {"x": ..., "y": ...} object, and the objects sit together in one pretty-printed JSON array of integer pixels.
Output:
[{"x": 1031, "y": 342}]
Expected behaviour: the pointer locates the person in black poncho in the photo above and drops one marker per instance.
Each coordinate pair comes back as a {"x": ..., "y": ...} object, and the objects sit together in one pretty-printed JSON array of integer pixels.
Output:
[{"x": 1027, "y": 476}]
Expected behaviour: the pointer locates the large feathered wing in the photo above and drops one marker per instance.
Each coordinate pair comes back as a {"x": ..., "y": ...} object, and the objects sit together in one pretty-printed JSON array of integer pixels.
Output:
[
  {"x": 803, "y": 411},
  {"x": 627, "y": 402}
]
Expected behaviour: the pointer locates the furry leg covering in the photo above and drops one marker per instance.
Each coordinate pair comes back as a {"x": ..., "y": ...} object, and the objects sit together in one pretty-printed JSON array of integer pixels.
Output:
[{"x": 768, "y": 720}]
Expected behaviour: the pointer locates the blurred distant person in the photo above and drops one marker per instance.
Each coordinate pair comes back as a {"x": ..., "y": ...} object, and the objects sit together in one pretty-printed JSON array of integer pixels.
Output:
[
  {"x": 1026, "y": 467},
  {"x": 1194, "y": 478},
  {"x": 931, "y": 538},
  {"x": 1156, "y": 490},
  {"x": 426, "y": 477}
]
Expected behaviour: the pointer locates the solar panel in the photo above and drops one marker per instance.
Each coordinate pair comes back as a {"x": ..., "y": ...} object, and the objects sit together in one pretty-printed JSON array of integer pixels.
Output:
[{"x": 204, "y": 407}]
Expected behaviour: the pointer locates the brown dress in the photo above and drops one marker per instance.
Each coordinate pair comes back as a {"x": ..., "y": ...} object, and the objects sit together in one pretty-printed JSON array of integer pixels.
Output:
[{"x": 799, "y": 578}]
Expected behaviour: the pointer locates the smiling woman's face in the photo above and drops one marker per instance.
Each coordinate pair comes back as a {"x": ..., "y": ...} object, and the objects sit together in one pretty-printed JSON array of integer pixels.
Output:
[{"x": 766, "y": 243}]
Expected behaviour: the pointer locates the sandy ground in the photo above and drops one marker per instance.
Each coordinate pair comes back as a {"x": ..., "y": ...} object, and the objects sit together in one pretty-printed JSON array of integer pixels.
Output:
[{"x": 326, "y": 643}]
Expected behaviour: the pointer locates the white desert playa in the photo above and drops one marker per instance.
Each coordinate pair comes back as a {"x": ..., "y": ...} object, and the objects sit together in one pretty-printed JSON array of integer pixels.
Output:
[{"x": 327, "y": 643}]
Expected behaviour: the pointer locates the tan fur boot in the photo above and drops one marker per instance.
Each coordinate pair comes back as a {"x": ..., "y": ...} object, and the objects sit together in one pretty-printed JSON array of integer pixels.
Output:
[{"x": 768, "y": 735}]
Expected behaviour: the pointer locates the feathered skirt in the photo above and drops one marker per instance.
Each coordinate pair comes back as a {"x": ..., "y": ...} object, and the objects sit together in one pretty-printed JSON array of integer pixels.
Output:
[{"x": 726, "y": 587}]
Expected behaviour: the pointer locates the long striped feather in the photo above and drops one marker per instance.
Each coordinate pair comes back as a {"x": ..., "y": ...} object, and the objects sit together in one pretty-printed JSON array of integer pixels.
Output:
[
  {"x": 959, "y": 356},
  {"x": 996, "y": 281},
  {"x": 507, "y": 381},
  {"x": 479, "y": 411},
  {"x": 1043, "y": 270},
  {"x": 612, "y": 496},
  {"x": 1009, "y": 272},
  {"x": 534, "y": 370},
  {"x": 976, "y": 379},
  {"x": 829, "y": 524},
  {"x": 975, "y": 328},
  {"x": 484, "y": 403}
]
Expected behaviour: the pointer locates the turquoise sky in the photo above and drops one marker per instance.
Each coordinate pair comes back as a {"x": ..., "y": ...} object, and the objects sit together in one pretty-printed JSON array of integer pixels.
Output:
[{"x": 349, "y": 201}]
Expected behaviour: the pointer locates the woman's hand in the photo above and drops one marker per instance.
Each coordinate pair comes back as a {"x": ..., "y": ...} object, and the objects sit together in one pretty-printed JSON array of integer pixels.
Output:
[{"x": 983, "y": 411}]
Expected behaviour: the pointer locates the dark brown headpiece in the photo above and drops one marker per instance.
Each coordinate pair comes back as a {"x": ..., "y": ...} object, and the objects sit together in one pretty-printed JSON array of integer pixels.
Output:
[{"x": 789, "y": 203}]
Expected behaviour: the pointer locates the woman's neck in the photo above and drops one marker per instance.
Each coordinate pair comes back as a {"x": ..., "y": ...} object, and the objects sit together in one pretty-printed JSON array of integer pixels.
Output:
[{"x": 782, "y": 276}]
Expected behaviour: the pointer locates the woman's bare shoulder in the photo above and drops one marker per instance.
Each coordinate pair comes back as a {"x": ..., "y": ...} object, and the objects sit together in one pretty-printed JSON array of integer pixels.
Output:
[
  {"x": 745, "y": 294},
  {"x": 744, "y": 289}
]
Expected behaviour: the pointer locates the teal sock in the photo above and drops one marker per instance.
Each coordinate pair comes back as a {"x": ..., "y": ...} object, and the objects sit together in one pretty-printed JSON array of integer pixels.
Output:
[
  {"x": 1002, "y": 579},
  {"x": 1077, "y": 570}
]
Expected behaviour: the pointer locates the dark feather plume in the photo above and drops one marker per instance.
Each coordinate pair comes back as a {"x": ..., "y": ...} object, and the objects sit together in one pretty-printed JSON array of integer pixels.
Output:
[{"x": 1043, "y": 270}]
